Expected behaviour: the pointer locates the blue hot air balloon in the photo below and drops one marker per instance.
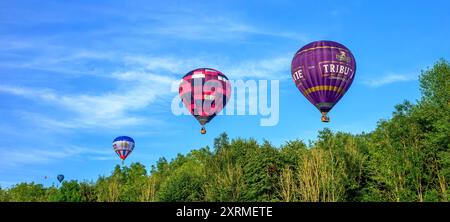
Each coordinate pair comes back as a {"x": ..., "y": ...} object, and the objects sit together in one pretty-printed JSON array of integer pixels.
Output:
[{"x": 60, "y": 177}]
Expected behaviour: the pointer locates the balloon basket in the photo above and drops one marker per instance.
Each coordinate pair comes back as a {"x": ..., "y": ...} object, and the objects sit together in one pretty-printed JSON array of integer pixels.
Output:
[
  {"x": 203, "y": 130},
  {"x": 325, "y": 118}
]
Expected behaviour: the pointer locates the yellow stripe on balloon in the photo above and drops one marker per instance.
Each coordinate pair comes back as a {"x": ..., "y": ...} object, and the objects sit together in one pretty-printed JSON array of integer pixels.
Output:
[{"x": 324, "y": 88}]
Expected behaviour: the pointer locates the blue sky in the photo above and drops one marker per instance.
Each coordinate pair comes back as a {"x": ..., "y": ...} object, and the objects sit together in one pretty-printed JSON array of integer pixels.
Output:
[{"x": 76, "y": 74}]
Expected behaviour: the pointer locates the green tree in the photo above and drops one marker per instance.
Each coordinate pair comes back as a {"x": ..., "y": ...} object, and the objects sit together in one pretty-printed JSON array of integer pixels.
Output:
[
  {"x": 69, "y": 191},
  {"x": 185, "y": 182},
  {"x": 261, "y": 173},
  {"x": 27, "y": 192},
  {"x": 4, "y": 195}
]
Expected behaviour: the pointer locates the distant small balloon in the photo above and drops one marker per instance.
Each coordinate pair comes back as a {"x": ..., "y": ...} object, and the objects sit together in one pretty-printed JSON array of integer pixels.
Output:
[{"x": 60, "y": 177}]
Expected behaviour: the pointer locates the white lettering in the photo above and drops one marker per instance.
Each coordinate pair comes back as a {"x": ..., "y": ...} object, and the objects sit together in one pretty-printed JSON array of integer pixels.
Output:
[
  {"x": 325, "y": 66},
  {"x": 273, "y": 110}
]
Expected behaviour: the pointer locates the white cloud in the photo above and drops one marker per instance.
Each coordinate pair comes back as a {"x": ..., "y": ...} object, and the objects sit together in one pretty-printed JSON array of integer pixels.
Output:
[
  {"x": 166, "y": 64},
  {"x": 274, "y": 68},
  {"x": 211, "y": 27},
  {"x": 30, "y": 156},
  {"x": 389, "y": 79},
  {"x": 266, "y": 68},
  {"x": 43, "y": 55},
  {"x": 109, "y": 110},
  {"x": 85, "y": 122}
]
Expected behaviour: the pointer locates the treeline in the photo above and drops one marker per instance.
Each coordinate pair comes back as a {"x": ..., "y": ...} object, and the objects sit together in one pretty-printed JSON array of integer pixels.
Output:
[{"x": 406, "y": 158}]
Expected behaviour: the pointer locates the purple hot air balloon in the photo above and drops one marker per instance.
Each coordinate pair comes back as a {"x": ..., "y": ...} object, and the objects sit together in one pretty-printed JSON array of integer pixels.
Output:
[{"x": 323, "y": 71}]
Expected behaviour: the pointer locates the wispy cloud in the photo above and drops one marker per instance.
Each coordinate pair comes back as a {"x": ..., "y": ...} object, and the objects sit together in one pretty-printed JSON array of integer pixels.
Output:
[
  {"x": 273, "y": 68},
  {"x": 30, "y": 156},
  {"x": 42, "y": 55},
  {"x": 167, "y": 64},
  {"x": 389, "y": 79},
  {"x": 264, "y": 68},
  {"x": 110, "y": 109},
  {"x": 205, "y": 26}
]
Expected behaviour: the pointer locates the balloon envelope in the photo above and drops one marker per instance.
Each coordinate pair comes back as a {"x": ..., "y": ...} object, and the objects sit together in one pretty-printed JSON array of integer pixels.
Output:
[
  {"x": 323, "y": 71},
  {"x": 123, "y": 146},
  {"x": 204, "y": 92},
  {"x": 60, "y": 177}
]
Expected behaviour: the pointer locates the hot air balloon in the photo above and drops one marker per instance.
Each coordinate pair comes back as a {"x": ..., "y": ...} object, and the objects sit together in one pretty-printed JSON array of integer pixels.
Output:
[
  {"x": 60, "y": 177},
  {"x": 323, "y": 71},
  {"x": 204, "y": 92},
  {"x": 123, "y": 146}
]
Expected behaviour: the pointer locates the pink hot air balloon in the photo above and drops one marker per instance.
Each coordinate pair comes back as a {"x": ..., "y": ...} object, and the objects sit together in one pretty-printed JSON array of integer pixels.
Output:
[
  {"x": 204, "y": 92},
  {"x": 323, "y": 71}
]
